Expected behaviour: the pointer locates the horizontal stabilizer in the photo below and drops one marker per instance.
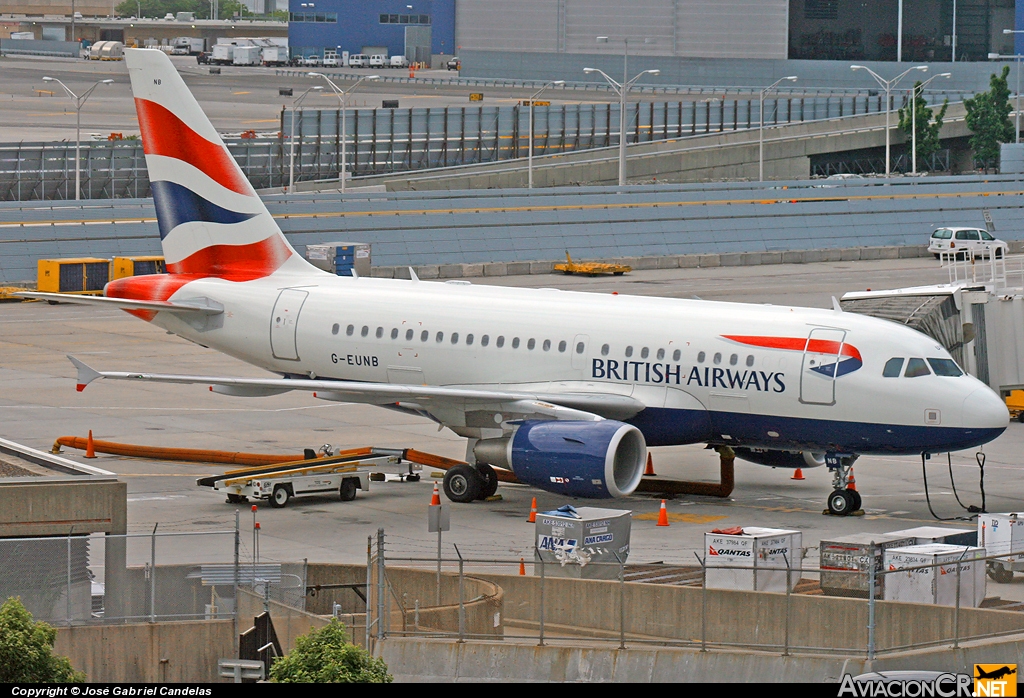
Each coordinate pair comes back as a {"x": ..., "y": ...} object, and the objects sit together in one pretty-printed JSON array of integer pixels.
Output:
[{"x": 201, "y": 306}]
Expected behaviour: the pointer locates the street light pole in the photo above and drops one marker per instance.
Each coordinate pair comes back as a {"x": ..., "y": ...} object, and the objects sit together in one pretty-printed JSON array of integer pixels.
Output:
[
  {"x": 343, "y": 98},
  {"x": 913, "y": 117},
  {"x": 529, "y": 158},
  {"x": 760, "y": 125},
  {"x": 291, "y": 155},
  {"x": 622, "y": 89},
  {"x": 78, "y": 102},
  {"x": 888, "y": 85}
]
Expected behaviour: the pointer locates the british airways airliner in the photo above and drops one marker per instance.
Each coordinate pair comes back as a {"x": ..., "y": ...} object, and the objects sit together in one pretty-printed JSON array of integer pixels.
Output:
[{"x": 567, "y": 390}]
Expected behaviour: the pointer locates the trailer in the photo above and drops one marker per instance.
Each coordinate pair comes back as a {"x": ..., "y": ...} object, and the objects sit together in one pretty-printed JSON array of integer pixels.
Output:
[
  {"x": 222, "y": 54},
  {"x": 343, "y": 473},
  {"x": 246, "y": 55},
  {"x": 275, "y": 55}
]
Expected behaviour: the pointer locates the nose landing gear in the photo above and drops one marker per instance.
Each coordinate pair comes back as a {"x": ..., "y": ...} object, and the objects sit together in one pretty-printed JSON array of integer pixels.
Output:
[{"x": 843, "y": 501}]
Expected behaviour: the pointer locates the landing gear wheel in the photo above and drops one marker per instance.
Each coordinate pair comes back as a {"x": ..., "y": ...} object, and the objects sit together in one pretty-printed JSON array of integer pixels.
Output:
[
  {"x": 999, "y": 573},
  {"x": 856, "y": 500},
  {"x": 490, "y": 480},
  {"x": 463, "y": 484},
  {"x": 840, "y": 503},
  {"x": 347, "y": 490},
  {"x": 280, "y": 497},
  {"x": 412, "y": 477},
  {"x": 237, "y": 499}
]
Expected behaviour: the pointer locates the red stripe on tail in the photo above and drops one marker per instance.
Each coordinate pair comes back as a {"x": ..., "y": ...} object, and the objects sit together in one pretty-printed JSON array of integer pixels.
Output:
[
  {"x": 236, "y": 262},
  {"x": 165, "y": 134}
]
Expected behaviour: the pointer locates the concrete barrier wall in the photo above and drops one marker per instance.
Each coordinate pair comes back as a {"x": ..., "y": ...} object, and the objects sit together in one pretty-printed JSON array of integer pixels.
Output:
[
  {"x": 148, "y": 652},
  {"x": 289, "y": 622}
]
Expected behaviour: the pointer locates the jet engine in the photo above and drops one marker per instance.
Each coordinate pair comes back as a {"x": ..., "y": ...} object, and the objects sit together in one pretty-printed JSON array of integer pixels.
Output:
[
  {"x": 780, "y": 459},
  {"x": 594, "y": 460}
]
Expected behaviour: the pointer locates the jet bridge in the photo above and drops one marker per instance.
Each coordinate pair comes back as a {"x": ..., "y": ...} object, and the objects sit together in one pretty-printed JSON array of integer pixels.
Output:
[{"x": 978, "y": 316}]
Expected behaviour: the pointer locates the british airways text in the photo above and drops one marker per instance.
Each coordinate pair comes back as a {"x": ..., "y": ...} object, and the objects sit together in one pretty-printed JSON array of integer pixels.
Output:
[{"x": 706, "y": 376}]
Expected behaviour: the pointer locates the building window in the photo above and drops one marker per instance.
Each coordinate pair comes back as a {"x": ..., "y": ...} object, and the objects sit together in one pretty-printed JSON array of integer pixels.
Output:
[
  {"x": 319, "y": 17},
  {"x": 404, "y": 19}
]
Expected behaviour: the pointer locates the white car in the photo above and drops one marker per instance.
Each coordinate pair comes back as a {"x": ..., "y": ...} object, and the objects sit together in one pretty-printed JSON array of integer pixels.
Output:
[
  {"x": 312, "y": 60},
  {"x": 358, "y": 60},
  {"x": 378, "y": 60},
  {"x": 398, "y": 62},
  {"x": 957, "y": 240}
]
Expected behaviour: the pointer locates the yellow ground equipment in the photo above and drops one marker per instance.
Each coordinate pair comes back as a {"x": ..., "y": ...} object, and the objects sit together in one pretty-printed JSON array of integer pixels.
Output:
[
  {"x": 84, "y": 275},
  {"x": 1015, "y": 403},
  {"x": 590, "y": 268},
  {"x": 7, "y": 293},
  {"x": 122, "y": 267}
]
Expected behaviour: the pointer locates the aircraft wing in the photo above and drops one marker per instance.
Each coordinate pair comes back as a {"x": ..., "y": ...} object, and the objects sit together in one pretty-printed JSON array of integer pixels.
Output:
[
  {"x": 433, "y": 399},
  {"x": 202, "y": 306}
]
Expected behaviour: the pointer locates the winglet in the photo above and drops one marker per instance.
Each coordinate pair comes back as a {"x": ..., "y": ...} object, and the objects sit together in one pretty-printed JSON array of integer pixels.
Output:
[
  {"x": 412, "y": 275},
  {"x": 86, "y": 375},
  {"x": 835, "y": 305}
]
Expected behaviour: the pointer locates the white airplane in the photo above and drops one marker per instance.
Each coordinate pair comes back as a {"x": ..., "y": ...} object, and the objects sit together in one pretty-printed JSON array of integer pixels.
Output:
[{"x": 567, "y": 390}]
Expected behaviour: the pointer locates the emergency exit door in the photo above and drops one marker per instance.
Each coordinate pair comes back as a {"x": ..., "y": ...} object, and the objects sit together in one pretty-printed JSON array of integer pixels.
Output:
[{"x": 284, "y": 322}]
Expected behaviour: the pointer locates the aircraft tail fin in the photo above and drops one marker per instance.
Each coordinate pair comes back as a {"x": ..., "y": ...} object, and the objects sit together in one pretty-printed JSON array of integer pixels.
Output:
[{"x": 211, "y": 221}]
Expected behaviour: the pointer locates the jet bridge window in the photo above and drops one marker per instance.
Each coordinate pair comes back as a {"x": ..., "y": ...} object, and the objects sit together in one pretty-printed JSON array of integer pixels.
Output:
[
  {"x": 916, "y": 368},
  {"x": 334, "y": 330},
  {"x": 893, "y": 367},
  {"x": 945, "y": 367}
]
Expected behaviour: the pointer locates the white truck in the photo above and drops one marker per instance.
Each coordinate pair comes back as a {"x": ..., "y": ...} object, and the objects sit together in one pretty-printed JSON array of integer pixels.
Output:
[
  {"x": 275, "y": 55},
  {"x": 222, "y": 54},
  {"x": 188, "y": 46},
  {"x": 331, "y": 59},
  {"x": 398, "y": 62},
  {"x": 246, "y": 55}
]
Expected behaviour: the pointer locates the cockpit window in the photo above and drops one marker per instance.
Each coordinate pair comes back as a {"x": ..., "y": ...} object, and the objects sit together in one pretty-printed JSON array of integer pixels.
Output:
[
  {"x": 945, "y": 367},
  {"x": 892, "y": 368},
  {"x": 917, "y": 367}
]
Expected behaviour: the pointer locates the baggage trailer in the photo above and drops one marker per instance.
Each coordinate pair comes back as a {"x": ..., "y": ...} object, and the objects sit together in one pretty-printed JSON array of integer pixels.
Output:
[{"x": 344, "y": 474}]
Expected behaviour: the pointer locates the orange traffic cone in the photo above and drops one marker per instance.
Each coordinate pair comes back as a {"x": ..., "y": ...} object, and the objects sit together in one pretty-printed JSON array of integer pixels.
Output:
[
  {"x": 663, "y": 515},
  {"x": 435, "y": 499},
  {"x": 412, "y": 72},
  {"x": 851, "y": 484},
  {"x": 649, "y": 470},
  {"x": 522, "y": 567},
  {"x": 533, "y": 511},
  {"x": 89, "y": 452},
  {"x": 798, "y": 475}
]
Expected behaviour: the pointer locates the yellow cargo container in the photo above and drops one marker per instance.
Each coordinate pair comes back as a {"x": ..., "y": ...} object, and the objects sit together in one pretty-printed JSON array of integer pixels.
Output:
[
  {"x": 123, "y": 267},
  {"x": 82, "y": 275}
]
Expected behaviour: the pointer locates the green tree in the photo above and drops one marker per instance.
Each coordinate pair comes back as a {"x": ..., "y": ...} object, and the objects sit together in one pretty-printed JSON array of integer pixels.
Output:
[
  {"x": 927, "y": 130},
  {"x": 159, "y": 8},
  {"x": 988, "y": 117},
  {"x": 26, "y": 649},
  {"x": 326, "y": 656}
]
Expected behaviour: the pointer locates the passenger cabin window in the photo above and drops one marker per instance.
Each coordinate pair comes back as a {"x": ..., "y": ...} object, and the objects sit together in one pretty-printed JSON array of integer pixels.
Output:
[
  {"x": 733, "y": 360},
  {"x": 515, "y": 342},
  {"x": 892, "y": 368},
  {"x": 718, "y": 358},
  {"x": 750, "y": 360},
  {"x": 629, "y": 351},
  {"x": 350, "y": 329},
  {"x": 531, "y": 344},
  {"x": 700, "y": 357},
  {"x": 394, "y": 333},
  {"x": 500, "y": 342},
  {"x": 580, "y": 346},
  {"x": 644, "y": 353},
  {"x": 676, "y": 354},
  {"x": 439, "y": 338},
  {"x": 561, "y": 346},
  {"x": 605, "y": 349},
  {"x": 916, "y": 368},
  {"x": 485, "y": 340},
  {"x": 469, "y": 339},
  {"x": 408, "y": 335},
  {"x": 380, "y": 332},
  {"x": 424, "y": 335},
  {"x": 661, "y": 354},
  {"x": 945, "y": 367},
  {"x": 334, "y": 330},
  {"x": 365, "y": 331},
  {"x": 455, "y": 337},
  {"x": 547, "y": 345}
]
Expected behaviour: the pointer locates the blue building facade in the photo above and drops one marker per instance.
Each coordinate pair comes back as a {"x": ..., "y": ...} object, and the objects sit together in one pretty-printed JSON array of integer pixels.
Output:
[{"x": 351, "y": 25}]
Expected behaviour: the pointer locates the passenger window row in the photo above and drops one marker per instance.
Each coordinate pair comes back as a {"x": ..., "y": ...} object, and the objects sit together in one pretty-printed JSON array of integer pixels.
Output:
[
  {"x": 454, "y": 337},
  {"x": 919, "y": 367},
  {"x": 644, "y": 352}
]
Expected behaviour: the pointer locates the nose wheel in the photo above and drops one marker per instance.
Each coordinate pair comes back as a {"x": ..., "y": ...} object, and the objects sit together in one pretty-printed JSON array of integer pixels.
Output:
[{"x": 843, "y": 501}]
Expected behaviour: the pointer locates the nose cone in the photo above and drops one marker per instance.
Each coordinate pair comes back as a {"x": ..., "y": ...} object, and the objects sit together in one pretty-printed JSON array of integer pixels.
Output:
[{"x": 983, "y": 409}]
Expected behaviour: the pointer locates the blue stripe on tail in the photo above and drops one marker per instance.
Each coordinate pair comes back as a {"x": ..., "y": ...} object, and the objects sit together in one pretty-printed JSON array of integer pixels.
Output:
[{"x": 176, "y": 204}]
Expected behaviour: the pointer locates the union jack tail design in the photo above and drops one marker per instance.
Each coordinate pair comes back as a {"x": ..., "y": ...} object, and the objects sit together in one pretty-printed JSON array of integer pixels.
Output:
[{"x": 211, "y": 221}]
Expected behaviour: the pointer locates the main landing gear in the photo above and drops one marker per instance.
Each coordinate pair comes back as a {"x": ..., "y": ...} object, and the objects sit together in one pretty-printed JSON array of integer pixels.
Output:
[
  {"x": 843, "y": 501},
  {"x": 466, "y": 483}
]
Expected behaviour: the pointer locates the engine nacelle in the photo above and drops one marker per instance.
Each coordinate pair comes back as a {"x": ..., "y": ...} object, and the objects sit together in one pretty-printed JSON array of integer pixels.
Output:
[
  {"x": 594, "y": 460},
  {"x": 780, "y": 459}
]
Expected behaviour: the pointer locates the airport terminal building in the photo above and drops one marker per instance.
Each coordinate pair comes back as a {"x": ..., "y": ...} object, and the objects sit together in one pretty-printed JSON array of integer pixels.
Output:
[{"x": 841, "y": 30}]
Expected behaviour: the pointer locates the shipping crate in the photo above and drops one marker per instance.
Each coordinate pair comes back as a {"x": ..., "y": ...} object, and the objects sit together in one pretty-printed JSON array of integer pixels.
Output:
[
  {"x": 122, "y": 267},
  {"x": 82, "y": 275},
  {"x": 754, "y": 560},
  {"x": 597, "y": 536}
]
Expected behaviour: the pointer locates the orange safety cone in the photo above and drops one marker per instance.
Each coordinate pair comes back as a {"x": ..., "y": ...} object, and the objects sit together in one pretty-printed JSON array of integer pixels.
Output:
[
  {"x": 435, "y": 499},
  {"x": 522, "y": 567},
  {"x": 851, "y": 484},
  {"x": 798, "y": 475},
  {"x": 412, "y": 72},
  {"x": 89, "y": 452},
  {"x": 533, "y": 511},
  {"x": 649, "y": 470},
  {"x": 663, "y": 515}
]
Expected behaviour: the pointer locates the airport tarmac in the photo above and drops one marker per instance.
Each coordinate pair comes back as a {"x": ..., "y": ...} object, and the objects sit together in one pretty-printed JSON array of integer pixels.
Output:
[
  {"x": 236, "y": 100},
  {"x": 38, "y": 403}
]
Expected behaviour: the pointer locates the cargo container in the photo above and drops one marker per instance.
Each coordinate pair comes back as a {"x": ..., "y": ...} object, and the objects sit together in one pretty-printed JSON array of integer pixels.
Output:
[
  {"x": 82, "y": 275},
  {"x": 939, "y": 534},
  {"x": 340, "y": 257},
  {"x": 845, "y": 562},
  {"x": 936, "y": 583},
  {"x": 275, "y": 55},
  {"x": 582, "y": 534},
  {"x": 122, "y": 267},
  {"x": 1002, "y": 534},
  {"x": 755, "y": 560},
  {"x": 222, "y": 54},
  {"x": 247, "y": 55}
]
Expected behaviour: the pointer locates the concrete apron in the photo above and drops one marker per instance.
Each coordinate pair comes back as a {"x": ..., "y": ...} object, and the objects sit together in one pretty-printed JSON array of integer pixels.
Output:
[{"x": 431, "y": 660}]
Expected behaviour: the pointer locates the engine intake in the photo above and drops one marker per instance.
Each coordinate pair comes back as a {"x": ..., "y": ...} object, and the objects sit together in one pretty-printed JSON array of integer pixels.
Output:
[{"x": 594, "y": 460}]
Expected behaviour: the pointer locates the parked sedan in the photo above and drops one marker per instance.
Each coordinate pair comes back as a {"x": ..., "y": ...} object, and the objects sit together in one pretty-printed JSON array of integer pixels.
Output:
[{"x": 964, "y": 240}]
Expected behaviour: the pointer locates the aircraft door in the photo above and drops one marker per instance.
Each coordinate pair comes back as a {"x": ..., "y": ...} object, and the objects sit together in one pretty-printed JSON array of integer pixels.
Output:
[
  {"x": 579, "y": 349},
  {"x": 822, "y": 353},
  {"x": 284, "y": 322}
]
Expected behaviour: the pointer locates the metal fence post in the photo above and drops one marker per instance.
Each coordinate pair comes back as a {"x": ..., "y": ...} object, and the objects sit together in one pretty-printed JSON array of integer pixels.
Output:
[
  {"x": 462, "y": 606},
  {"x": 622, "y": 602},
  {"x": 369, "y": 585},
  {"x": 541, "y": 561},
  {"x": 380, "y": 584},
  {"x": 956, "y": 610},
  {"x": 68, "y": 604},
  {"x": 871, "y": 605},
  {"x": 152, "y": 575},
  {"x": 789, "y": 603},
  {"x": 238, "y": 541},
  {"x": 703, "y": 606}
]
